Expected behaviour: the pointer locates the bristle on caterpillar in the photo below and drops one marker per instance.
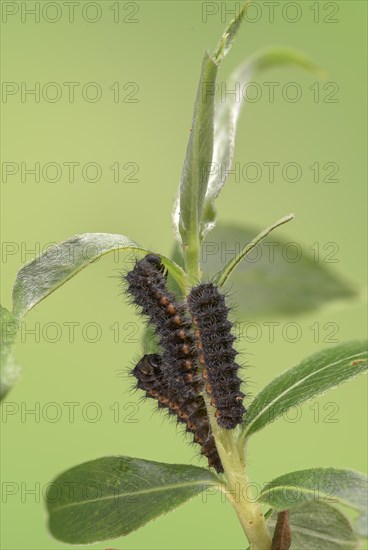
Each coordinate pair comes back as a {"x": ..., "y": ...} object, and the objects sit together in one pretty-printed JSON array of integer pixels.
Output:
[
  {"x": 146, "y": 285},
  {"x": 217, "y": 354},
  {"x": 192, "y": 412},
  {"x": 171, "y": 378}
]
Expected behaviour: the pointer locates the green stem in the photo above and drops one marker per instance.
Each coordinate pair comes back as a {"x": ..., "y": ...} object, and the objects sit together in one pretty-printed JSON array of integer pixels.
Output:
[
  {"x": 192, "y": 262},
  {"x": 239, "y": 493},
  {"x": 232, "y": 456}
]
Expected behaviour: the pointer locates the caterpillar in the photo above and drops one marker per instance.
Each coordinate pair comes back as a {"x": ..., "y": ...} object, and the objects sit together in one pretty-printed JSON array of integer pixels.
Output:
[
  {"x": 146, "y": 284},
  {"x": 217, "y": 354},
  {"x": 194, "y": 332},
  {"x": 171, "y": 378},
  {"x": 192, "y": 412}
]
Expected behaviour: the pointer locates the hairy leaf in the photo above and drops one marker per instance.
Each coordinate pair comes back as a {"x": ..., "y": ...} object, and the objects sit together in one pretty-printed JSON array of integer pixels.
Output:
[
  {"x": 227, "y": 116},
  {"x": 113, "y": 496},
  {"x": 314, "y": 376},
  {"x": 223, "y": 275},
  {"x": 9, "y": 370},
  {"x": 41, "y": 276},
  {"x": 361, "y": 526},
  {"x": 226, "y": 41},
  {"x": 328, "y": 485},
  {"x": 194, "y": 177},
  {"x": 317, "y": 526},
  {"x": 278, "y": 277},
  {"x": 188, "y": 208}
]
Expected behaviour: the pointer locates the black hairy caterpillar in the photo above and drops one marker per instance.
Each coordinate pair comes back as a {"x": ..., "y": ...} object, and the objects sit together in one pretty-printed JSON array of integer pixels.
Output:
[
  {"x": 217, "y": 354},
  {"x": 192, "y": 412},
  {"x": 146, "y": 284}
]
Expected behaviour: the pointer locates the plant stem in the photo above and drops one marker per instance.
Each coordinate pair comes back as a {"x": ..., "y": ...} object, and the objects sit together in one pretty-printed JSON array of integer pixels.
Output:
[
  {"x": 232, "y": 456},
  {"x": 192, "y": 262},
  {"x": 239, "y": 492}
]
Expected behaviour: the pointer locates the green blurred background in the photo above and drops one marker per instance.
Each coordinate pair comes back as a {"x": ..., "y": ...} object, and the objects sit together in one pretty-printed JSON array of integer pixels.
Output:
[{"x": 161, "y": 53}]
